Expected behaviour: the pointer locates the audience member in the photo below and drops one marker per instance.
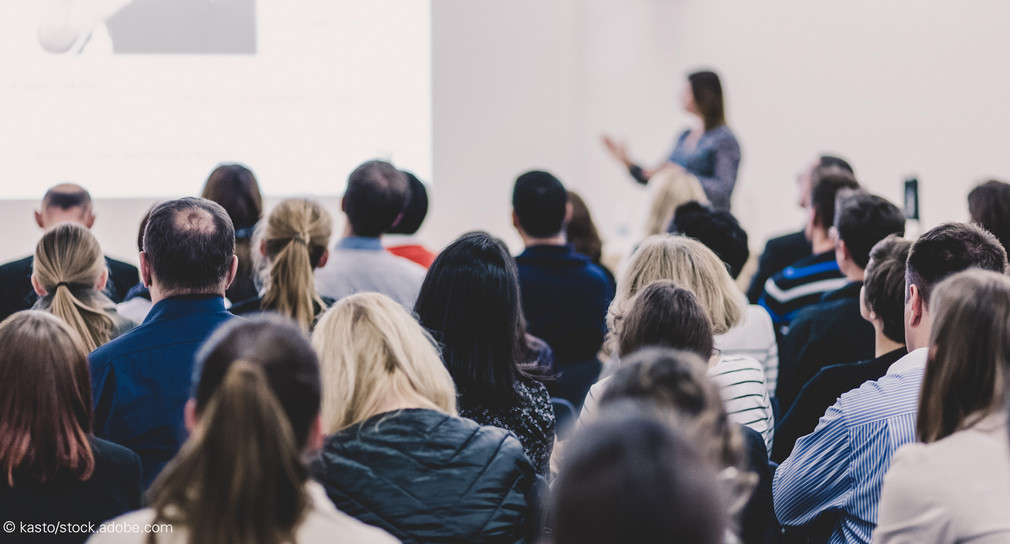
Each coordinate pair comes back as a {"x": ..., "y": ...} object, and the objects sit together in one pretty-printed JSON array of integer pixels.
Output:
[
  {"x": 295, "y": 239},
  {"x": 401, "y": 238},
  {"x": 671, "y": 188},
  {"x": 62, "y": 203},
  {"x": 805, "y": 281},
  {"x": 989, "y": 206},
  {"x": 469, "y": 302},
  {"x": 838, "y": 469},
  {"x": 832, "y": 330},
  {"x": 581, "y": 233},
  {"x": 882, "y": 303},
  {"x": 141, "y": 379},
  {"x": 240, "y": 477},
  {"x": 53, "y": 469},
  {"x": 785, "y": 250},
  {"x": 373, "y": 201},
  {"x": 633, "y": 478},
  {"x": 564, "y": 295},
  {"x": 397, "y": 456},
  {"x": 754, "y": 336},
  {"x": 234, "y": 187},
  {"x": 953, "y": 488},
  {"x": 674, "y": 383},
  {"x": 68, "y": 274},
  {"x": 688, "y": 263}
]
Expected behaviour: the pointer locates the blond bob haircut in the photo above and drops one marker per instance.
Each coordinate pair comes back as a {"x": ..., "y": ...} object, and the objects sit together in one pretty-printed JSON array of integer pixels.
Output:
[
  {"x": 370, "y": 351},
  {"x": 690, "y": 265}
]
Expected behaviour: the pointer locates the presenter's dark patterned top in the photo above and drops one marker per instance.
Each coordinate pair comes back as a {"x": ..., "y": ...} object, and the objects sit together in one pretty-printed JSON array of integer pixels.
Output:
[
  {"x": 714, "y": 160},
  {"x": 531, "y": 419}
]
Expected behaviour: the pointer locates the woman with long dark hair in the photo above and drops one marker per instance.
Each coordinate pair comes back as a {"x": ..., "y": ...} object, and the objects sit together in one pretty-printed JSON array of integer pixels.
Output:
[
  {"x": 708, "y": 151},
  {"x": 470, "y": 304},
  {"x": 234, "y": 187}
]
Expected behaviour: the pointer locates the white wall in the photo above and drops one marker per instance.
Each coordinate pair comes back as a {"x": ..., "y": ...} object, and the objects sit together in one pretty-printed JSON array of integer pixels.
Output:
[{"x": 898, "y": 87}]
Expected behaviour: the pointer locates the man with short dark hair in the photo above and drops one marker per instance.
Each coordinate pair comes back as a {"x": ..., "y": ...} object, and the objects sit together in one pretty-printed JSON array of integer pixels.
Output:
[
  {"x": 838, "y": 470},
  {"x": 400, "y": 238},
  {"x": 64, "y": 202},
  {"x": 141, "y": 380},
  {"x": 373, "y": 202},
  {"x": 805, "y": 281},
  {"x": 564, "y": 295},
  {"x": 833, "y": 331}
]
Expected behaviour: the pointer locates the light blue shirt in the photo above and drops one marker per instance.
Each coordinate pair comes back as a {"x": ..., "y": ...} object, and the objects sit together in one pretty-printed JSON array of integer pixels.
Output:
[
  {"x": 840, "y": 467},
  {"x": 358, "y": 264}
]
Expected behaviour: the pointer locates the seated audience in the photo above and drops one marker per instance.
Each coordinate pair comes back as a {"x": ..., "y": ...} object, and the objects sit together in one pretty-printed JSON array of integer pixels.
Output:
[
  {"x": 954, "y": 486},
  {"x": 469, "y": 302},
  {"x": 670, "y": 188},
  {"x": 62, "y": 203},
  {"x": 52, "y": 469},
  {"x": 400, "y": 239},
  {"x": 837, "y": 470},
  {"x": 754, "y": 336},
  {"x": 805, "y": 281},
  {"x": 882, "y": 303},
  {"x": 234, "y": 187},
  {"x": 989, "y": 206},
  {"x": 141, "y": 379},
  {"x": 68, "y": 274},
  {"x": 581, "y": 233},
  {"x": 832, "y": 330},
  {"x": 675, "y": 383},
  {"x": 634, "y": 478},
  {"x": 373, "y": 201},
  {"x": 397, "y": 456},
  {"x": 785, "y": 250},
  {"x": 564, "y": 295},
  {"x": 691, "y": 265},
  {"x": 295, "y": 239},
  {"x": 240, "y": 477}
]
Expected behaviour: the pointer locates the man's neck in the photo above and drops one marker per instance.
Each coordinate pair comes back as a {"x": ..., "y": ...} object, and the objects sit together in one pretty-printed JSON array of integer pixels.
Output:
[
  {"x": 558, "y": 240},
  {"x": 884, "y": 345},
  {"x": 820, "y": 242},
  {"x": 157, "y": 295}
]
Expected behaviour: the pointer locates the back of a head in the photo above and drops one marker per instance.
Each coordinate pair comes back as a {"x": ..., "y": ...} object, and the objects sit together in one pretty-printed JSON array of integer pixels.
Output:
[
  {"x": 989, "y": 206},
  {"x": 539, "y": 201},
  {"x": 234, "y": 187},
  {"x": 371, "y": 350},
  {"x": 824, "y": 190},
  {"x": 707, "y": 91},
  {"x": 66, "y": 202},
  {"x": 947, "y": 249},
  {"x": 664, "y": 315},
  {"x": 717, "y": 229},
  {"x": 884, "y": 285},
  {"x": 296, "y": 235},
  {"x": 415, "y": 209},
  {"x": 634, "y": 478},
  {"x": 831, "y": 161},
  {"x": 189, "y": 244},
  {"x": 374, "y": 198},
  {"x": 969, "y": 353},
  {"x": 469, "y": 302},
  {"x": 862, "y": 220},
  {"x": 581, "y": 231},
  {"x": 45, "y": 411},
  {"x": 68, "y": 265},
  {"x": 240, "y": 476},
  {"x": 690, "y": 265}
]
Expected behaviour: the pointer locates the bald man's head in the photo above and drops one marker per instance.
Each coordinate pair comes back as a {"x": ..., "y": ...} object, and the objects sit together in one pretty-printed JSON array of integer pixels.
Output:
[{"x": 65, "y": 202}]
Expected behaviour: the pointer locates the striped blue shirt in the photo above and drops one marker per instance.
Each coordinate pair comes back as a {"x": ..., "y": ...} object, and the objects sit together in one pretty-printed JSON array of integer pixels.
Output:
[{"x": 839, "y": 468}]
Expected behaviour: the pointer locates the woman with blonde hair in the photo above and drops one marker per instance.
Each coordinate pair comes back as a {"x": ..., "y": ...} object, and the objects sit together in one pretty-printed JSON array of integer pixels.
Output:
[
  {"x": 294, "y": 241},
  {"x": 397, "y": 455},
  {"x": 68, "y": 274},
  {"x": 955, "y": 486},
  {"x": 692, "y": 266}
]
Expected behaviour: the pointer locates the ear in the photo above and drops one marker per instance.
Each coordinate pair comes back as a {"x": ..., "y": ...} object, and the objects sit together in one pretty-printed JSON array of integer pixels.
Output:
[
  {"x": 916, "y": 306},
  {"x": 89, "y": 220},
  {"x": 515, "y": 220},
  {"x": 325, "y": 257},
  {"x": 314, "y": 442},
  {"x": 145, "y": 270},
  {"x": 263, "y": 247},
  {"x": 343, "y": 204},
  {"x": 39, "y": 290},
  {"x": 103, "y": 279},
  {"x": 232, "y": 271},
  {"x": 40, "y": 221},
  {"x": 189, "y": 417},
  {"x": 569, "y": 210}
]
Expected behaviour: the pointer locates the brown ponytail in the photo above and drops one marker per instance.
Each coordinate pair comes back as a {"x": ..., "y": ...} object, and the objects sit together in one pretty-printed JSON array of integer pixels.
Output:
[
  {"x": 296, "y": 236},
  {"x": 239, "y": 478},
  {"x": 68, "y": 263}
]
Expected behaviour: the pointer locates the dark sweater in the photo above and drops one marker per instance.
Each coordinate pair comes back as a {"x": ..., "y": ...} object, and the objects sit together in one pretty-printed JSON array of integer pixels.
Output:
[{"x": 779, "y": 253}]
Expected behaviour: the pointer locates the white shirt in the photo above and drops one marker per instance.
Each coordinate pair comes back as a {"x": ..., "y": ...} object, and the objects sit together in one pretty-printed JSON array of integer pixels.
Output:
[{"x": 754, "y": 338}]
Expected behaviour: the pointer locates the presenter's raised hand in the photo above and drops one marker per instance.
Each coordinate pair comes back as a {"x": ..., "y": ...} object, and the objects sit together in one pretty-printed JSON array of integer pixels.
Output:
[{"x": 617, "y": 149}]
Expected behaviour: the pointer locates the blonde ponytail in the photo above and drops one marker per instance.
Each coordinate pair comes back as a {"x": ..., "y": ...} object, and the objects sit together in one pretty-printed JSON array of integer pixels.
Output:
[
  {"x": 239, "y": 478},
  {"x": 296, "y": 236},
  {"x": 68, "y": 263}
]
